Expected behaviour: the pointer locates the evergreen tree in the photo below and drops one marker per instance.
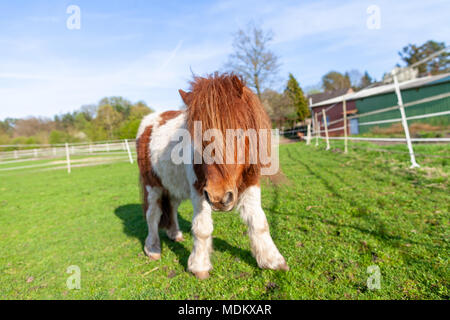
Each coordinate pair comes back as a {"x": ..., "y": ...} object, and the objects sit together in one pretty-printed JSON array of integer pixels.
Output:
[
  {"x": 297, "y": 98},
  {"x": 366, "y": 80}
]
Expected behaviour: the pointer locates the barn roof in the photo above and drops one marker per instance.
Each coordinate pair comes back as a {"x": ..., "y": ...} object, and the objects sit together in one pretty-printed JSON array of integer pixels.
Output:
[
  {"x": 415, "y": 83},
  {"x": 327, "y": 95}
]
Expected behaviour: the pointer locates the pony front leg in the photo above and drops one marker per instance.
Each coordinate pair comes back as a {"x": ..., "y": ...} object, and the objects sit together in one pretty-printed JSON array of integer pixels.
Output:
[
  {"x": 262, "y": 245},
  {"x": 202, "y": 227},
  {"x": 152, "y": 247}
]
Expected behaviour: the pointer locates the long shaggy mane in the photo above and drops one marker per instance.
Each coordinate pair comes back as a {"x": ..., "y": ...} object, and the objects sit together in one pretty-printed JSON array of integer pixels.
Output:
[{"x": 222, "y": 101}]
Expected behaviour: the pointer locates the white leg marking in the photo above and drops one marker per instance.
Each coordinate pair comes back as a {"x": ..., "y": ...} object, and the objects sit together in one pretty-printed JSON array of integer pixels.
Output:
[
  {"x": 152, "y": 244},
  {"x": 263, "y": 248},
  {"x": 202, "y": 228}
]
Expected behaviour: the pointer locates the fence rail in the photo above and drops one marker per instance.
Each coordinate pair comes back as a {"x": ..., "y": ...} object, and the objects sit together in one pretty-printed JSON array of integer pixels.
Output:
[{"x": 67, "y": 155}]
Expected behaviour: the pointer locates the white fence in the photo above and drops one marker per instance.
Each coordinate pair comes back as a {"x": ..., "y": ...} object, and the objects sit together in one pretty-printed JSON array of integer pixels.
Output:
[{"x": 65, "y": 156}]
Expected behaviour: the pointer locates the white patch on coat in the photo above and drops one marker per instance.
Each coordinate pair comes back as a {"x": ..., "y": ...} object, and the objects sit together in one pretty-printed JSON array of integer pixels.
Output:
[
  {"x": 151, "y": 119},
  {"x": 173, "y": 176}
]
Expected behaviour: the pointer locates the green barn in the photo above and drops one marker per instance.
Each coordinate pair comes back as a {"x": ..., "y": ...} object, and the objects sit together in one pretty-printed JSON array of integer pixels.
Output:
[
  {"x": 432, "y": 93},
  {"x": 425, "y": 99}
]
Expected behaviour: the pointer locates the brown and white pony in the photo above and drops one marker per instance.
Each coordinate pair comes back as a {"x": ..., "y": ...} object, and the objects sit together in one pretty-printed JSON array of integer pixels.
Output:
[{"x": 221, "y": 102}]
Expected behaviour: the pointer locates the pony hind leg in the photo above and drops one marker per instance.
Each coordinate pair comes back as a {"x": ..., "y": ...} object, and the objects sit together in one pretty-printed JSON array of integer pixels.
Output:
[
  {"x": 152, "y": 247},
  {"x": 173, "y": 230}
]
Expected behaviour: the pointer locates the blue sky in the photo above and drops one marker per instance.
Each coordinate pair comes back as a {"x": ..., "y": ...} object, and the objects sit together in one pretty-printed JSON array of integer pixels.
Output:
[{"x": 144, "y": 50}]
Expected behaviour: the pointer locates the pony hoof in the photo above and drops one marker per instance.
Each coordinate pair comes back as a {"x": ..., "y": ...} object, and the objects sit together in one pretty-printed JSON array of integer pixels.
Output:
[
  {"x": 280, "y": 266},
  {"x": 175, "y": 236},
  {"x": 201, "y": 275},
  {"x": 152, "y": 255},
  {"x": 283, "y": 267}
]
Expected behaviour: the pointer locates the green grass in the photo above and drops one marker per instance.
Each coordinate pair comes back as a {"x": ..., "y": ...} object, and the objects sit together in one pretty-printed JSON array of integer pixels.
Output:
[{"x": 336, "y": 215}]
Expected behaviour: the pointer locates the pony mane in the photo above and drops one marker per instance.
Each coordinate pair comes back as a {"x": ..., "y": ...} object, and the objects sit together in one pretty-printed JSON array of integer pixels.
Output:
[{"x": 222, "y": 101}]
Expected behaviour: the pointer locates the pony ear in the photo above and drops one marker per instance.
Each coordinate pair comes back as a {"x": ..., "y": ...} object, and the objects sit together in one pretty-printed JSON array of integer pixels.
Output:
[
  {"x": 238, "y": 84},
  {"x": 186, "y": 96}
]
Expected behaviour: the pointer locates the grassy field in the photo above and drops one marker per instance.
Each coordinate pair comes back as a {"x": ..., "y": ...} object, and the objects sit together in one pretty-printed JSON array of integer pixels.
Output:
[{"x": 335, "y": 216}]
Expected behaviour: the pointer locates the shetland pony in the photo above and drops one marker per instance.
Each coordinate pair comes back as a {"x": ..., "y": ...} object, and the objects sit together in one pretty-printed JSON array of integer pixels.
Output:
[{"x": 220, "y": 102}]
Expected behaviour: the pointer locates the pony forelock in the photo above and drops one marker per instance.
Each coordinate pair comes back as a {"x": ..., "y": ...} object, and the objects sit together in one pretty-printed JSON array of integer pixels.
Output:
[{"x": 221, "y": 102}]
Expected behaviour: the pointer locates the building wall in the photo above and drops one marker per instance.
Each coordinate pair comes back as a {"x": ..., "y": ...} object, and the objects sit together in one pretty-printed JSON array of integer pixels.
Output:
[
  {"x": 409, "y": 95},
  {"x": 333, "y": 114}
]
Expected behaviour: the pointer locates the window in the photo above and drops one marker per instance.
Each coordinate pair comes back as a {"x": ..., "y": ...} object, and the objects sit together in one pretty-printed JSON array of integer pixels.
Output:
[{"x": 354, "y": 128}]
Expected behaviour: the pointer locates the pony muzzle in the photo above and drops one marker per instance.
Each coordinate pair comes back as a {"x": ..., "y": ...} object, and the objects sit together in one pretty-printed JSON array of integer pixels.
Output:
[{"x": 225, "y": 202}]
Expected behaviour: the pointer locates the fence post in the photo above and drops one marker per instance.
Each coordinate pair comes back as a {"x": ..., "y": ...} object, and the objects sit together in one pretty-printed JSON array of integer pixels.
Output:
[
  {"x": 90, "y": 148},
  {"x": 128, "y": 150},
  {"x": 35, "y": 153},
  {"x": 405, "y": 123},
  {"x": 326, "y": 128},
  {"x": 317, "y": 128},
  {"x": 68, "y": 157},
  {"x": 107, "y": 147},
  {"x": 308, "y": 137},
  {"x": 344, "y": 109},
  {"x": 54, "y": 151},
  {"x": 15, "y": 154}
]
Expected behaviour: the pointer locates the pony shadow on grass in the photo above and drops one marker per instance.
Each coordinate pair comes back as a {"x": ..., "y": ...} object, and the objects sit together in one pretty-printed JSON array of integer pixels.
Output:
[{"x": 134, "y": 225}]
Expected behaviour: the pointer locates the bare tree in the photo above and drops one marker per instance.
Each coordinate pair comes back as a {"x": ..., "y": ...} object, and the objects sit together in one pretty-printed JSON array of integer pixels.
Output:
[
  {"x": 252, "y": 57},
  {"x": 278, "y": 106}
]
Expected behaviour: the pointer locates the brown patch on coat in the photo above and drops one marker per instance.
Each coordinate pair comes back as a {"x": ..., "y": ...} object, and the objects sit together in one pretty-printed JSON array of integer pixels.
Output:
[
  {"x": 222, "y": 101},
  {"x": 199, "y": 184},
  {"x": 148, "y": 177},
  {"x": 168, "y": 115}
]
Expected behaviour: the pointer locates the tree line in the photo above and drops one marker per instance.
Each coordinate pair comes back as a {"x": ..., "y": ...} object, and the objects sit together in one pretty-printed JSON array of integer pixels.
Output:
[{"x": 112, "y": 118}]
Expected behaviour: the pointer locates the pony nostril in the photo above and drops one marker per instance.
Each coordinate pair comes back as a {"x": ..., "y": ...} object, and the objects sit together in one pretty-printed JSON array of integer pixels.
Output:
[{"x": 228, "y": 198}]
